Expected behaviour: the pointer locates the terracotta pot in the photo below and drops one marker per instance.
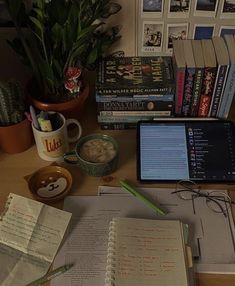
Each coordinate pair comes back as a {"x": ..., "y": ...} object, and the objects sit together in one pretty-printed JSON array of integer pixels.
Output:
[
  {"x": 16, "y": 138},
  {"x": 70, "y": 109}
]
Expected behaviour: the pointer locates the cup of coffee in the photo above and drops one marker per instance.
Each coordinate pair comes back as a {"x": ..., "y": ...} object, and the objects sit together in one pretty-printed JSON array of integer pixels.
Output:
[
  {"x": 53, "y": 142},
  {"x": 96, "y": 154}
]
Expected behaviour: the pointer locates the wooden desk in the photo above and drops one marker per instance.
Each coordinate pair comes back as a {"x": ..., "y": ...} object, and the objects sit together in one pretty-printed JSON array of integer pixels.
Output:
[{"x": 13, "y": 168}]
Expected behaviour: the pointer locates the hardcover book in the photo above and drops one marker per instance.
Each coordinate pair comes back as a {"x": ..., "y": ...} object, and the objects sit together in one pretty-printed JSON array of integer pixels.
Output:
[
  {"x": 179, "y": 66},
  {"x": 222, "y": 71},
  {"x": 189, "y": 78},
  {"x": 135, "y": 75},
  {"x": 229, "y": 88},
  {"x": 208, "y": 78},
  {"x": 199, "y": 72},
  {"x": 134, "y": 105}
]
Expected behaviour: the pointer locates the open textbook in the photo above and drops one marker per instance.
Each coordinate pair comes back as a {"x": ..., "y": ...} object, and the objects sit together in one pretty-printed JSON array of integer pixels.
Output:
[{"x": 30, "y": 235}]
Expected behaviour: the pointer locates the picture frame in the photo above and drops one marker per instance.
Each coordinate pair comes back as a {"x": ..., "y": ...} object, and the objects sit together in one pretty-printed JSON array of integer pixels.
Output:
[
  {"x": 228, "y": 9},
  {"x": 206, "y": 8},
  {"x": 203, "y": 31},
  {"x": 152, "y": 37},
  {"x": 179, "y": 9},
  {"x": 175, "y": 31}
]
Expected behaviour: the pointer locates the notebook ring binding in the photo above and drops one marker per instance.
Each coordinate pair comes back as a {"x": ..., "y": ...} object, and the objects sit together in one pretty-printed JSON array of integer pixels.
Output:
[{"x": 110, "y": 268}]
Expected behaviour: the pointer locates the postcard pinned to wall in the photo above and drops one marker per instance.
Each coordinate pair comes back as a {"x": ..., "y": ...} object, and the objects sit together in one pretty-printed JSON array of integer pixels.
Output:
[
  {"x": 179, "y": 9},
  {"x": 228, "y": 9},
  {"x": 206, "y": 8},
  {"x": 175, "y": 31},
  {"x": 203, "y": 31},
  {"x": 226, "y": 30},
  {"x": 152, "y": 37},
  {"x": 151, "y": 8}
]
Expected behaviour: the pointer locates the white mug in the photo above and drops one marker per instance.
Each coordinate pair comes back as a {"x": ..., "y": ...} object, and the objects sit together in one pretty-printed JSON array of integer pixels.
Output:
[{"x": 52, "y": 145}]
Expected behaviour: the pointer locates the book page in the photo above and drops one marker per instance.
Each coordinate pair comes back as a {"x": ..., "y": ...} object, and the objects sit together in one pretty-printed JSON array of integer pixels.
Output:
[
  {"x": 30, "y": 234},
  {"x": 87, "y": 240},
  {"x": 147, "y": 252}
]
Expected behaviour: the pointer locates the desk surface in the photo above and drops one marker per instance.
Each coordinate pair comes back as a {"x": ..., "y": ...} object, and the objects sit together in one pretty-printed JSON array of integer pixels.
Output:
[{"x": 13, "y": 169}]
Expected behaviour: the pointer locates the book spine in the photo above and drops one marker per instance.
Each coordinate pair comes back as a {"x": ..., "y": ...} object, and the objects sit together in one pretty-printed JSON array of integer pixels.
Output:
[
  {"x": 219, "y": 87},
  {"x": 144, "y": 105},
  {"x": 180, "y": 79},
  {"x": 118, "y": 91},
  {"x": 196, "y": 91},
  {"x": 135, "y": 97},
  {"x": 131, "y": 119},
  {"x": 207, "y": 91},
  {"x": 188, "y": 91},
  {"x": 134, "y": 113},
  {"x": 228, "y": 94},
  {"x": 117, "y": 126}
]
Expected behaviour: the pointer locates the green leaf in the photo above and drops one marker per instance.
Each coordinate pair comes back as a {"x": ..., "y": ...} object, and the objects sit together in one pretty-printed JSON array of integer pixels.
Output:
[
  {"x": 39, "y": 12},
  {"x": 38, "y": 24},
  {"x": 57, "y": 33},
  {"x": 92, "y": 57}
]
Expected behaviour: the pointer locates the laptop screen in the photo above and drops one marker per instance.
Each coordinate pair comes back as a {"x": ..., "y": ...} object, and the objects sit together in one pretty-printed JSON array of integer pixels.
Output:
[{"x": 190, "y": 150}]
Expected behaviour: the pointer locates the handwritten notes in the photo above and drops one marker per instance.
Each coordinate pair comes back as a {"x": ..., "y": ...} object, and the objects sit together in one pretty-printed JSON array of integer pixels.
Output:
[
  {"x": 30, "y": 234},
  {"x": 146, "y": 252}
]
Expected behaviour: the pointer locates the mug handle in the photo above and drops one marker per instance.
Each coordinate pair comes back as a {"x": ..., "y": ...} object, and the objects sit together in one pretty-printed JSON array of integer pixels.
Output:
[
  {"x": 79, "y": 129},
  {"x": 70, "y": 157}
]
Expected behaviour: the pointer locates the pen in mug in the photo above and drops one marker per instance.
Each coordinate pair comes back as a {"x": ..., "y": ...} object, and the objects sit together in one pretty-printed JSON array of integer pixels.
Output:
[
  {"x": 50, "y": 275},
  {"x": 140, "y": 196},
  {"x": 34, "y": 117}
]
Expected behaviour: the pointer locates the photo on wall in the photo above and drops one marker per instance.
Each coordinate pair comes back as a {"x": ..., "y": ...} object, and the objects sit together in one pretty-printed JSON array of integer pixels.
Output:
[
  {"x": 152, "y": 36},
  {"x": 179, "y": 8},
  {"x": 228, "y": 9},
  {"x": 224, "y": 30},
  {"x": 203, "y": 31},
  {"x": 151, "y": 8},
  {"x": 206, "y": 8},
  {"x": 174, "y": 32}
]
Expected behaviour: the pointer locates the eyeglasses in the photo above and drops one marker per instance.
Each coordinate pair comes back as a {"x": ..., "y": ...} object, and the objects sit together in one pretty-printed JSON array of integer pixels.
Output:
[{"x": 217, "y": 201}]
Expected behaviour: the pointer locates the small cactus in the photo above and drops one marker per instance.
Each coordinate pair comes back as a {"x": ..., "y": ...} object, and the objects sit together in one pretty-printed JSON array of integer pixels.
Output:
[{"x": 12, "y": 105}]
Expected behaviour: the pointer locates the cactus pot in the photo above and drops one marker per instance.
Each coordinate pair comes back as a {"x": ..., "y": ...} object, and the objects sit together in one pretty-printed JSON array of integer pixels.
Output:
[
  {"x": 70, "y": 109},
  {"x": 16, "y": 138}
]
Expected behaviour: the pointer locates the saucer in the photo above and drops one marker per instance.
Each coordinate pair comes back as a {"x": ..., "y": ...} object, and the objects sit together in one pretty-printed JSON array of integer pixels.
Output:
[{"x": 50, "y": 183}]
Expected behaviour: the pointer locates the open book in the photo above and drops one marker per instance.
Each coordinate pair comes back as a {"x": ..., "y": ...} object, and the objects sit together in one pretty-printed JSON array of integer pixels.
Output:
[{"x": 146, "y": 252}]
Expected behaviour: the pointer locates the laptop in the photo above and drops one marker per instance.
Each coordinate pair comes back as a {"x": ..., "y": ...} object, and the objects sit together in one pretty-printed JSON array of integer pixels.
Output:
[{"x": 197, "y": 150}]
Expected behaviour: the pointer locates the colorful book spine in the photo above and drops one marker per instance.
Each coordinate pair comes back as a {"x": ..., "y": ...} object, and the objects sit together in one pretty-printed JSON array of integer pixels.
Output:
[
  {"x": 188, "y": 91},
  {"x": 135, "y": 97},
  {"x": 207, "y": 91},
  {"x": 130, "y": 119},
  {"x": 134, "y": 105},
  {"x": 179, "y": 94},
  {"x": 228, "y": 94},
  {"x": 117, "y": 126},
  {"x": 218, "y": 90},
  {"x": 134, "y": 113},
  {"x": 196, "y": 91}
]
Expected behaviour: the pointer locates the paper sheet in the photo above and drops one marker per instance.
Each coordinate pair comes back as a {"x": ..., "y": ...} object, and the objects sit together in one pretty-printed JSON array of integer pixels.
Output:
[
  {"x": 211, "y": 231},
  {"x": 30, "y": 234},
  {"x": 86, "y": 243}
]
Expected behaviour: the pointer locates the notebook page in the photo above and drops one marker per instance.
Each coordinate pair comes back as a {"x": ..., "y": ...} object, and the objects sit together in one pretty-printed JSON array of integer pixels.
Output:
[
  {"x": 30, "y": 235},
  {"x": 146, "y": 252}
]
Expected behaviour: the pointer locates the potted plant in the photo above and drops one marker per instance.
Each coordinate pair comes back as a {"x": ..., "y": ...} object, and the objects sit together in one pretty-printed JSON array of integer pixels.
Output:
[
  {"x": 63, "y": 39},
  {"x": 15, "y": 129}
]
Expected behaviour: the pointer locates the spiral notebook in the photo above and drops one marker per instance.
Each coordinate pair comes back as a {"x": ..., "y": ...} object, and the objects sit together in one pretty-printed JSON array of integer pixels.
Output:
[{"x": 146, "y": 252}]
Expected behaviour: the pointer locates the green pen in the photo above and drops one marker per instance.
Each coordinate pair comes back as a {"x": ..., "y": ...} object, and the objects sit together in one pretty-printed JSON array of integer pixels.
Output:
[{"x": 140, "y": 196}]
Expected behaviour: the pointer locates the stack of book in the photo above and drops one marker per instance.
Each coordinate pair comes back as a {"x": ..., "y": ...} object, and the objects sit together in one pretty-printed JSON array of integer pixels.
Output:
[
  {"x": 205, "y": 76},
  {"x": 130, "y": 89}
]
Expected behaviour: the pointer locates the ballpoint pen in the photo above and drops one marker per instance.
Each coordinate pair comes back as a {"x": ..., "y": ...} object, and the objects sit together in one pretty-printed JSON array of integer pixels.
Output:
[
  {"x": 50, "y": 275},
  {"x": 140, "y": 196}
]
